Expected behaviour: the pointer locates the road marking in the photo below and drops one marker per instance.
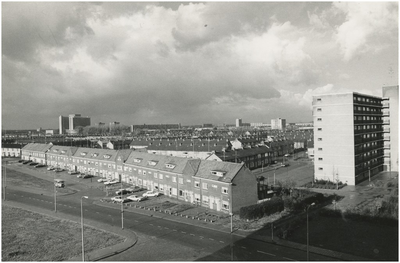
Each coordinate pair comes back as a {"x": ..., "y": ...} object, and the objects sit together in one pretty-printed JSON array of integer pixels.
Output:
[
  {"x": 289, "y": 259},
  {"x": 265, "y": 253},
  {"x": 151, "y": 224},
  {"x": 244, "y": 247},
  {"x": 192, "y": 234},
  {"x": 183, "y": 232},
  {"x": 166, "y": 228},
  {"x": 174, "y": 230},
  {"x": 211, "y": 238},
  {"x": 221, "y": 242},
  {"x": 201, "y": 237}
]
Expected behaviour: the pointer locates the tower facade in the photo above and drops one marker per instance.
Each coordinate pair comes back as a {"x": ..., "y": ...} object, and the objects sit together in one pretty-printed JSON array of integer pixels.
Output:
[
  {"x": 348, "y": 137},
  {"x": 391, "y": 127}
]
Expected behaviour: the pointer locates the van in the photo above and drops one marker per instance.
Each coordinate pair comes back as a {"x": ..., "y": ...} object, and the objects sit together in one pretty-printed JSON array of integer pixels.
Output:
[{"x": 59, "y": 183}]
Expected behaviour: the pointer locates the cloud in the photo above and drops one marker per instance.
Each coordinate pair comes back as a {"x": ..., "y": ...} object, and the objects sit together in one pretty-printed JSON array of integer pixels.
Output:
[{"x": 365, "y": 23}]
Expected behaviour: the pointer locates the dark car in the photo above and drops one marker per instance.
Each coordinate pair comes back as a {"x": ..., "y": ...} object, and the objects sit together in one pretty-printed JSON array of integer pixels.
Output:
[
  {"x": 26, "y": 162},
  {"x": 21, "y": 161},
  {"x": 32, "y": 164},
  {"x": 39, "y": 165}
]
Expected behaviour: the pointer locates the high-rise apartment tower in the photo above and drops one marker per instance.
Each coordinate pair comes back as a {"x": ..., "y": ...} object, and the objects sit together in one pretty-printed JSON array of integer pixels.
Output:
[{"x": 348, "y": 137}]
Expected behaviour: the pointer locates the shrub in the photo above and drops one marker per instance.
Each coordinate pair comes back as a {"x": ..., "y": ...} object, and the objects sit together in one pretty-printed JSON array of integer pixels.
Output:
[{"x": 272, "y": 206}]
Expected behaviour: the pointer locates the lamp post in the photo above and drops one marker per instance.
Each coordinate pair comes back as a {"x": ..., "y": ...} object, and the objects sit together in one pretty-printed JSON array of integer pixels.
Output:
[
  {"x": 274, "y": 175},
  {"x": 83, "y": 246},
  {"x": 122, "y": 207},
  {"x": 307, "y": 231},
  {"x": 231, "y": 214},
  {"x": 369, "y": 174},
  {"x": 55, "y": 194},
  {"x": 4, "y": 180}
]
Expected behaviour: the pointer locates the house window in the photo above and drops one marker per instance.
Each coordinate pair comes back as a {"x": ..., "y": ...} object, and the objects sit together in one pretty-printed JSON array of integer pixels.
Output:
[
  {"x": 180, "y": 193},
  {"x": 160, "y": 176},
  {"x": 320, "y": 159},
  {"x": 155, "y": 175},
  {"x": 320, "y": 129},
  {"x": 225, "y": 205},
  {"x": 319, "y": 119},
  {"x": 197, "y": 184},
  {"x": 224, "y": 190},
  {"x": 319, "y": 109},
  {"x": 320, "y": 168},
  {"x": 205, "y": 186},
  {"x": 180, "y": 180},
  {"x": 319, "y": 149},
  {"x": 144, "y": 172},
  {"x": 319, "y": 99},
  {"x": 173, "y": 179},
  {"x": 205, "y": 199},
  {"x": 319, "y": 139},
  {"x": 140, "y": 171}
]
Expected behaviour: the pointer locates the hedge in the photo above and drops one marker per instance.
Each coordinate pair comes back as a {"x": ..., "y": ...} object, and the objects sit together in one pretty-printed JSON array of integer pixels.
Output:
[
  {"x": 263, "y": 209},
  {"x": 358, "y": 217}
]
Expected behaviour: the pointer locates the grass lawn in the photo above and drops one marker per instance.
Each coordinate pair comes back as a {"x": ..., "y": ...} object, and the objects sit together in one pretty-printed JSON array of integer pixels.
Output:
[
  {"x": 365, "y": 239},
  {"x": 28, "y": 236}
]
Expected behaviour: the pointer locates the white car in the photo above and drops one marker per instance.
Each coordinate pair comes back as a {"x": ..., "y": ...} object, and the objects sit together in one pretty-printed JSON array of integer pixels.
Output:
[
  {"x": 102, "y": 180},
  {"x": 111, "y": 182},
  {"x": 119, "y": 199},
  {"x": 136, "y": 198},
  {"x": 73, "y": 172},
  {"x": 151, "y": 193},
  {"x": 50, "y": 168}
]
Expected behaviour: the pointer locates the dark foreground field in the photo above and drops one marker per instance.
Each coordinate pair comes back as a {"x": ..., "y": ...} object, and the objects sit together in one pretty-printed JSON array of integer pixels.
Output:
[{"x": 28, "y": 236}]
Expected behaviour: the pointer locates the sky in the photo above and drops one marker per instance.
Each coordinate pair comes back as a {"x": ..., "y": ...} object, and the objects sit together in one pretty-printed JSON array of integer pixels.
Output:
[{"x": 189, "y": 63}]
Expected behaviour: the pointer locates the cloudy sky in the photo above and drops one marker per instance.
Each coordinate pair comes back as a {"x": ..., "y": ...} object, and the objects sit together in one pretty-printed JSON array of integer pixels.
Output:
[{"x": 189, "y": 63}]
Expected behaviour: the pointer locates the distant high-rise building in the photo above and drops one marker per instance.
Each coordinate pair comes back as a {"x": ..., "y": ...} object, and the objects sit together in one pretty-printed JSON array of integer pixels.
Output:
[
  {"x": 70, "y": 123},
  {"x": 348, "y": 137},
  {"x": 391, "y": 127},
  {"x": 278, "y": 124},
  {"x": 238, "y": 122}
]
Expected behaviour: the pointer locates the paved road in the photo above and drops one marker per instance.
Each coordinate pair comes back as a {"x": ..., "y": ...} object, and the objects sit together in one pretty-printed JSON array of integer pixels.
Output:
[{"x": 160, "y": 240}]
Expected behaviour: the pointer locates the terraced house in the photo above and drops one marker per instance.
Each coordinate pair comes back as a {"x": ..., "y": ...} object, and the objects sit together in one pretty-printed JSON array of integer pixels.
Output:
[
  {"x": 220, "y": 186},
  {"x": 61, "y": 156},
  {"x": 35, "y": 152}
]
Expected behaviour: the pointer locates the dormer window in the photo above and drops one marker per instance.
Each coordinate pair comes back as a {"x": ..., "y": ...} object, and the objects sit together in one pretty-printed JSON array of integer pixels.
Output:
[
  {"x": 137, "y": 160},
  {"x": 55, "y": 150},
  {"x": 218, "y": 173},
  {"x": 83, "y": 153},
  {"x": 62, "y": 151},
  {"x": 95, "y": 154},
  {"x": 152, "y": 163},
  {"x": 107, "y": 156},
  {"x": 170, "y": 165}
]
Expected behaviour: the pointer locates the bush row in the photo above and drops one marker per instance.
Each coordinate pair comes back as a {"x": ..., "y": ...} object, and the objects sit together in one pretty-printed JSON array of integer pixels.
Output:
[
  {"x": 263, "y": 209},
  {"x": 358, "y": 217}
]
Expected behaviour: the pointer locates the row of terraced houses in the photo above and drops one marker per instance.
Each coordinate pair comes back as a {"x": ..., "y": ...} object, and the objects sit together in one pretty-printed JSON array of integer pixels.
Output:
[{"x": 220, "y": 186}]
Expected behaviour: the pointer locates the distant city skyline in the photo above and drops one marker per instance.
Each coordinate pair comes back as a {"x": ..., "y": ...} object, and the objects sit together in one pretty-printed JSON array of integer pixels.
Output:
[{"x": 190, "y": 63}]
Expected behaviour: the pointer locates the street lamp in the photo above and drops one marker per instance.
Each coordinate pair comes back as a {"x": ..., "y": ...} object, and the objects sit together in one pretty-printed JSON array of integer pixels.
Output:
[
  {"x": 231, "y": 214},
  {"x": 55, "y": 193},
  {"x": 274, "y": 175},
  {"x": 122, "y": 207},
  {"x": 5, "y": 179},
  {"x": 83, "y": 246},
  {"x": 307, "y": 230},
  {"x": 369, "y": 174}
]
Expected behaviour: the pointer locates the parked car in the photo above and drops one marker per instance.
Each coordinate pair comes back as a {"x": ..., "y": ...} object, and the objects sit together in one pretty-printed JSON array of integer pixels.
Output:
[
  {"x": 40, "y": 165},
  {"x": 102, "y": 180},
  {"x": 33, "y": 164},
  {"x": 73, "y": 172},
  {"x": 111, "y": 182},
  {"x": 50, "y": 168},
  {"x": 86, "y": 176},
  {"x": 284, "y": 164},
  {"x": 119, "y": 199},
  {"x": 59, "y": 183},
  {"x": 26, "y": 162},
  {"x": 21, "y": 161},
  {"x": 133, "y": 189},
  {"x": 151, "y": 193},
  {"x": 122, "y": 191},
  {"x": 136, "y": 198},
  {"x": 287, "y": 155},
  {"x": 58, "y": 170},
  {"x": 81, "y": 175}
]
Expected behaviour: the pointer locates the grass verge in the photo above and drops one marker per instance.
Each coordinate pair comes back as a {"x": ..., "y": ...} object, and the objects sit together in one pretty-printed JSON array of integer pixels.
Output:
[{"x": 29, "y": 236}]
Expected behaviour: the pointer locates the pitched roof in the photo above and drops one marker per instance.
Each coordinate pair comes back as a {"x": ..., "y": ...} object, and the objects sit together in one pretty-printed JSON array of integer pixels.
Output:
[
  {"x": 96, "y": 154},
  {"x": 218, "y": 171},
  {"x": 37, "y": 147},
  {"x": 62, "y": 150}
]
